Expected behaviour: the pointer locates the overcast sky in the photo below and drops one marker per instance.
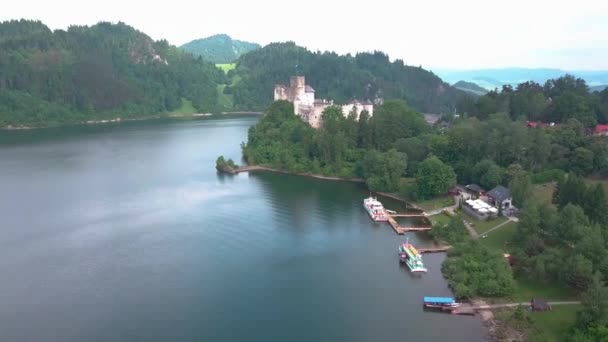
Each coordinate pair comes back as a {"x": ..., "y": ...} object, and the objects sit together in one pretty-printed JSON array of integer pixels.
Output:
[{"x": 456, "y": 34}]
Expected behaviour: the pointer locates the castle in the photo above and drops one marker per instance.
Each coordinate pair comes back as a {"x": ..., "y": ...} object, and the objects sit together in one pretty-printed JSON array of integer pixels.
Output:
[{"x": 310, "y": 109}]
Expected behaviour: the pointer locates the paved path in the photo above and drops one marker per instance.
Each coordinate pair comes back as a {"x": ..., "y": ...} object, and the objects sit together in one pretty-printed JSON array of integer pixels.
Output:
[
  {"x": 512, "y": 305},
  {"x": 471, "y": 230},
  {"x": 440, "y": 210},
  {"x": 450, "y": 208},
  {"x": 496, "y": 227}
]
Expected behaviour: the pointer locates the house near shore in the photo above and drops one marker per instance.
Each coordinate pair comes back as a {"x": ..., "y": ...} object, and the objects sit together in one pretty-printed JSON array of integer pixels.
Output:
[
  {"x": 601, "y": 130},
  {"x": 475, "y": 190},
  {"x": 310, "y": 109},
  {"x": 500, "y": 197}
]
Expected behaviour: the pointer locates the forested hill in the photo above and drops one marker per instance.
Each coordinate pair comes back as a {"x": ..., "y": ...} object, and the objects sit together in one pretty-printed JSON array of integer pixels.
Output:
[
  {"x": 219, "y": 48},
  {"x": 364, "y": 76},
  {"x": 89, "y": 73}
]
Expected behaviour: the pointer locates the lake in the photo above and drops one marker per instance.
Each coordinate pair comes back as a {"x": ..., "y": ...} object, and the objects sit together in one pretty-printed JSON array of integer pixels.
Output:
[{"x": 125, "y": 232}]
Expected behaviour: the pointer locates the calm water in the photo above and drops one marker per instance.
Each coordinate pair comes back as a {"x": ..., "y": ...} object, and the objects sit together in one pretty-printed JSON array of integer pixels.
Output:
[{"x": 126, "y": 233}]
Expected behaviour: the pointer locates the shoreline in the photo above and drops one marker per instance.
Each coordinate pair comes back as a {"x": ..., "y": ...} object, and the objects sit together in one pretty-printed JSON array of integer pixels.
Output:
[
  {"x": 255, "y": 168},
  {"x": 119, "y": 119}
]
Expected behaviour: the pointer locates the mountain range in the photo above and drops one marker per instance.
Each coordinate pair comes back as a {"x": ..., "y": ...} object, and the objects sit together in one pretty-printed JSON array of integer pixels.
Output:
[{"x": 496, "y": 78}]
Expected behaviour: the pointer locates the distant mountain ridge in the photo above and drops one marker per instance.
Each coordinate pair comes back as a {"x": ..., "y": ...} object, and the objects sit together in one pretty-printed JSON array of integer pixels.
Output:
[
  {"x": 220, "y": 48},
  {"x": 496, "y": 78},
  {"x": 470, "y": 87}
]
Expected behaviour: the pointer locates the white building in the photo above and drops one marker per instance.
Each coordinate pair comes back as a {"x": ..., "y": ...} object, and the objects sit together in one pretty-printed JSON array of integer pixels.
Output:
[{"x": 310, "y": 109}]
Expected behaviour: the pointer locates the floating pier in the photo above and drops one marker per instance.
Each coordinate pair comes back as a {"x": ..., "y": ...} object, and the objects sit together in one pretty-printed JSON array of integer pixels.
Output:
[{"x": 402, "y": 230}]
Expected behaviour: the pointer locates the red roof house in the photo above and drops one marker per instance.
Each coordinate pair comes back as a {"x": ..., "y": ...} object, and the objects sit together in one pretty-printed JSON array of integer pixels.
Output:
[{"x": 601, "y": 130}]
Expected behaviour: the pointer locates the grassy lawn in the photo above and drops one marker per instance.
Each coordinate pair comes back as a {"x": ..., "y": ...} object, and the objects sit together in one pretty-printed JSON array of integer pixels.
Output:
[
  {"x": 440, "y": 219},
  {"x": 527, "y": 289},
  {"x": 482, "y": 226},
  {"x": 436, "y": 203},
  {"x": 185, "y": 109},
  {"x": 555, "y": 323},
  {"x": 224, "y": 100},
  {"x": 496, "y": 239},
  {"x": 544, "y": 192},
  {"x": 226, "y": 67},
  {"x": 593, "y": 182}
]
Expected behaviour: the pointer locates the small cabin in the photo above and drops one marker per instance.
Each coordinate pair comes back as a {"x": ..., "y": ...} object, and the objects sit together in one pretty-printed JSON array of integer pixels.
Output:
[
  {"x": 537, "y": 304},
  {"x": 476, "y": 190}
]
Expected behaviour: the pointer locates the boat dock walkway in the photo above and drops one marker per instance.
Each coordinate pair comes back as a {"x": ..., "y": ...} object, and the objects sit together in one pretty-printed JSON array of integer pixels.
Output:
[
  {"x": 402, "y": 230},
  {"x": 407, "y": 215},
  {"x": 470, "y": 309},
  {"x": 434, "y": 249}
]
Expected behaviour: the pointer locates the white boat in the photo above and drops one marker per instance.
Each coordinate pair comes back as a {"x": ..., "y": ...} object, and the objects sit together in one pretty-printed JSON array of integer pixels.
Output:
[{"x": 375, "y": 209}]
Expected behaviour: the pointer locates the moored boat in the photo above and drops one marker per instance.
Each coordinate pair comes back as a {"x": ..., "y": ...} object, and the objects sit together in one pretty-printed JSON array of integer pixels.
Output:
[
  {"x": 440, "y": 302},
  {"x": 375, "y": 209},
  {"x": 411, "y": 257}
]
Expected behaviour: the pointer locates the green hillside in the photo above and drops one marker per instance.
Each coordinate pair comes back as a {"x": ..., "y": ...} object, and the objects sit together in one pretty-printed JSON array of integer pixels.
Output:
[
  {"x": 97, "y": 72},
  {"x": 220, "y": 48}
]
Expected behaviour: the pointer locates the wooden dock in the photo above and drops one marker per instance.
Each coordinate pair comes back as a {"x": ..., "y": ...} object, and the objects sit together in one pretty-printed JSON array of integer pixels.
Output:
[
  {"x": 464, "y": 309},
  {"x": 402, "y": 230},
  {"x": 407, "y": 215},
  {"x": 439, "y": 249}
]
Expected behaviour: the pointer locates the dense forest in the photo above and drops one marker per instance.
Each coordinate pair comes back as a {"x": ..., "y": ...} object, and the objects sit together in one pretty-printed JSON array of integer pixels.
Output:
[
  {"x": 364, "y": 76},
  {"x": 219, "y": 48},
  {"x": 90, "y": 73}
]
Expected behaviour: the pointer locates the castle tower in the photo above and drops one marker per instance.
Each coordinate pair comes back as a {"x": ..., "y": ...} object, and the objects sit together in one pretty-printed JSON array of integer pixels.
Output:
[{"x": 297, "y": 82}]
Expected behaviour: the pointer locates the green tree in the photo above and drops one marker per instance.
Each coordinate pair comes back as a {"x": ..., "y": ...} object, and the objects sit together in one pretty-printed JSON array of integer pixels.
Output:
[
  {"x": 578, "y": 272},
  {"x": 595, "y": 305},
  {"x": 383, "y": 170},
  {"x": 394, "y": 120},
  {"x": 521, "y": 188},
  {"x": 582, "y": 161},
  {"x": 433, "y": 178}
]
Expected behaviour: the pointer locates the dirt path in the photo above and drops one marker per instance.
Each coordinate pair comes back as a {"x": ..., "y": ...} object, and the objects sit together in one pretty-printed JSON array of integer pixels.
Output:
[{"x": 496, "y": 227}]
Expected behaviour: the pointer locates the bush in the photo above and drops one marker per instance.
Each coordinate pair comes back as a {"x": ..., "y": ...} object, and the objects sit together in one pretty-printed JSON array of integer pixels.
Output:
[
  {"x": 221, "y": 164},
  {"x": 473, "y": 269},
  {"x": 453, "y": 232}
]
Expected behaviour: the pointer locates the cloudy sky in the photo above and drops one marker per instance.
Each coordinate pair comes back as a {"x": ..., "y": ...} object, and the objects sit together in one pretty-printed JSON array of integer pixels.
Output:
[{"x": 461, "y": 34}]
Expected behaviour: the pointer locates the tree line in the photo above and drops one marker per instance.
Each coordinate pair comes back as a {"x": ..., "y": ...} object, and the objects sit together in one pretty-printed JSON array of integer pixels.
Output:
[{"x": 558, "y": 101}]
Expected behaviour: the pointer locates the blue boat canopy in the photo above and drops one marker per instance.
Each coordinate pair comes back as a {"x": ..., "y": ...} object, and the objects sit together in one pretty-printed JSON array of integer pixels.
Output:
[{"x": 439, "y": 300}]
